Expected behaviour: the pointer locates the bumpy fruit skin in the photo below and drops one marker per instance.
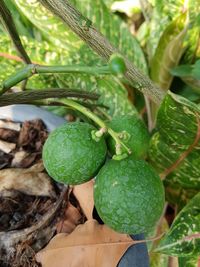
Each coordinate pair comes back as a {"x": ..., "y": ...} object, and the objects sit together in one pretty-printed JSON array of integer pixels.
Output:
[
  {"x": 139, "y": 135},
  {"x": 129, "y": 196},
  {"x": 70, "y": 154}
]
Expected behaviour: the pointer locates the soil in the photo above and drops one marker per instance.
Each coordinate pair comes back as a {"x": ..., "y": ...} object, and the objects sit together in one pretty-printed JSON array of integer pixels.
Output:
[{"x": 21, "y": 147}]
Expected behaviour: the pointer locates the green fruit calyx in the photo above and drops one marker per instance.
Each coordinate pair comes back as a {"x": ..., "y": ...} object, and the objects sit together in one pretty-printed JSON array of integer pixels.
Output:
[{"x": 133, "y": 132}]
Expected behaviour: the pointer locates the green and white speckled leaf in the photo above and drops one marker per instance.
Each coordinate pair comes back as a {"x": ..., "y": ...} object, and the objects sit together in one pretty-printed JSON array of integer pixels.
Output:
[
  {"x": 113, "y": 93},
  {"x": 53, "y": 28},
  {"x": 163, "y": 13},
  {"x": 111, "y": 90},
  {"x": 158, "y": 259},
  {"x": 188, "y": 262},
  {"x": 168, "y": 52},
  {"x": 175, "y": 147},
  {"x": 38, "y": 52},
  {"x": 183, "y": 238}
]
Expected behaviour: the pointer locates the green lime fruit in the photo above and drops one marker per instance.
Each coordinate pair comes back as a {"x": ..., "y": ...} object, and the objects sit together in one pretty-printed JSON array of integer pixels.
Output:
[
  {"x": 117, "y": 64},
  {"x": 137, "y": 137},
  {"x": 129, "y": 195},
  {"x": 70, "y": 154}
]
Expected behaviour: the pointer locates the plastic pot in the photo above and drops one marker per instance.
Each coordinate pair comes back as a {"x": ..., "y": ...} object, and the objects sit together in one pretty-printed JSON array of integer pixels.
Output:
[{"x": 136, "y": 255}]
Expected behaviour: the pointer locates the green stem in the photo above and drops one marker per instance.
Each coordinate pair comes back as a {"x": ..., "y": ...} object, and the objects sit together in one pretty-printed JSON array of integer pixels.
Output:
[
  {"x": 32, "y": 69},
  {"x": 94, "y": 118}
]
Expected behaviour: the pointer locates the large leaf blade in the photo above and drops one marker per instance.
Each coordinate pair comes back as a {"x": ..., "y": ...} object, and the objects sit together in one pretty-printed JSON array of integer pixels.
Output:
[
  {"x": 183, "y": 238},
  {"x": 175, "y": 147}
]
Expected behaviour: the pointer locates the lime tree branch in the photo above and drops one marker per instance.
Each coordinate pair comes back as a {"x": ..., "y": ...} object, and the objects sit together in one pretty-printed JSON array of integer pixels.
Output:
[
  {"x": 32, "y": 69},
  {"x": 85, "y": 30},
  {"x": 7, "y": 21},
  {"x": 30, "y": 96}
]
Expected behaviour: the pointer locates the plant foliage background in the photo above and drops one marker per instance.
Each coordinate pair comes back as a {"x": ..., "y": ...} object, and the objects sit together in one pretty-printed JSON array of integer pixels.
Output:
[{"x": 165, "y": 45}]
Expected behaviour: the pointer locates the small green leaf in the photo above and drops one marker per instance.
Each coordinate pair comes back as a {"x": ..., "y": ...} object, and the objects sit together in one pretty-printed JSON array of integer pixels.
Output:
[
  {"x": 175, "y": 147},
  {"x": 196, "y": 70},
  {"x": 182, "y": 70},
  {"x": 183, "y": 238},
  {"x": 190, "y": 74}
]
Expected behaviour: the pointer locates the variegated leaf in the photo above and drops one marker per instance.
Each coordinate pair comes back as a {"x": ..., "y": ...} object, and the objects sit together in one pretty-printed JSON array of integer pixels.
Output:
[
  {"x": 183, "y": 238},
  {"x": 158, "y": 259},
  {"x": 168, "y": 52},
  {"x": 50, "y": 26},
  {"x": 163, "y": 13},
  {"x": 38, "y": 52},
  {"x": 175, "y": 147}
]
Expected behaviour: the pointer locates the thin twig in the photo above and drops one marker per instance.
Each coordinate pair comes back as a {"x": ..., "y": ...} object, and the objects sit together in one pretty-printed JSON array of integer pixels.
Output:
[
  {"x": 149, "y": 115},
  {"x": 31, "y": 95},
  {"x": 13, "y": 57}
]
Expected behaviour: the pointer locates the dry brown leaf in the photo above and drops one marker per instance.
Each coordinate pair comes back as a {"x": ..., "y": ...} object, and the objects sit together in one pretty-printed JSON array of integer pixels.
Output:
[
  {"x": 84, "y": 195},
  {"x": 10, "y": 125},
  {"x": 18, "y": 157},
  {"x": 5, "y": 159},
  {"x": 6, "y": 146},
  {"x": 32, "y": 135},
  {"x": 26, "y": 160},
  {"x": 29, "y": 181},
  {"x": 71, "y": 219},
  {"x": 8, "y": 135},
  {"x": 89, "y": 245}
]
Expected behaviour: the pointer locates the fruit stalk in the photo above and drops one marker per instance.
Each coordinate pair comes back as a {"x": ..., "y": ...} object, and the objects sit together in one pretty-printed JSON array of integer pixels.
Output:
[{"x": 96, "y": 119}]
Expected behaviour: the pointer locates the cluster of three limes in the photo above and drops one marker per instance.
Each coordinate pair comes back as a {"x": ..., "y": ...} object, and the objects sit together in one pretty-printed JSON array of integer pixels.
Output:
[{"x": 128, "y": 194}]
